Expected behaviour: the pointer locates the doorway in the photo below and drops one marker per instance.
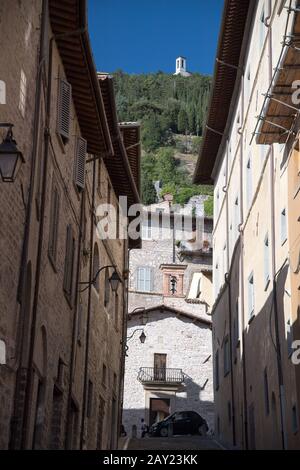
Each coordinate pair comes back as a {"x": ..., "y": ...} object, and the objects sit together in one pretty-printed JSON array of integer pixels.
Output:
[{"x": 159, "y": 409}]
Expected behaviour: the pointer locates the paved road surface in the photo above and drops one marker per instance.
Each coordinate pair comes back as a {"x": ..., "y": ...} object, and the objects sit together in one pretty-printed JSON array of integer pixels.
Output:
[{"x": 174, "y": 443}]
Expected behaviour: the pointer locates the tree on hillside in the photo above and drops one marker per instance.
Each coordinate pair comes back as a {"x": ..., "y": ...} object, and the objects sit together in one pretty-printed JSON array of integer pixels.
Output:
[
  {"x": 148, "y": 191},
  {"x": 182, "y": 122}
]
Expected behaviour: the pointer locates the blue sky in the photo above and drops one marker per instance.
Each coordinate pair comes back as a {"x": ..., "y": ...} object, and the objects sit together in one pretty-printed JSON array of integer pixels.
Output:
[{"x": 142, "y": 36}]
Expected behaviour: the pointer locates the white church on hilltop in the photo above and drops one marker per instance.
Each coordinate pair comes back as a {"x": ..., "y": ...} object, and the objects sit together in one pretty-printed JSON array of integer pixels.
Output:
[{"x": 181, "y": 67}]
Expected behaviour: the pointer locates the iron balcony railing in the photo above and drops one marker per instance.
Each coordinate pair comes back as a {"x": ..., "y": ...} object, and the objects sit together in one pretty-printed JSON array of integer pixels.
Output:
[{"x": 164, "y": 375}]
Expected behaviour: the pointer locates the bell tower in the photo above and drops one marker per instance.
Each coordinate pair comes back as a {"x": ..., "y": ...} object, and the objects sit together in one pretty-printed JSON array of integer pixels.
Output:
[{"x": 181, "y": 67}]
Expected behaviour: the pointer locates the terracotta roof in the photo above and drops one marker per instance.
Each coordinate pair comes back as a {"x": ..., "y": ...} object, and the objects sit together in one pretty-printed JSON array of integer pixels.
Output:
[
  {"x": 165, "y": 308},
  {"x": 69, "y": 16},
  {"x": 228, "y": 57},
  {"x": 120, "y": 171},
  {"x": 131, "y": 133}
]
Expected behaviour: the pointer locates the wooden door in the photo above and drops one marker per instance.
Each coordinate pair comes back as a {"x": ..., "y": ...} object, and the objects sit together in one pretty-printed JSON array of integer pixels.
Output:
[{"x": 160, "y": 365}]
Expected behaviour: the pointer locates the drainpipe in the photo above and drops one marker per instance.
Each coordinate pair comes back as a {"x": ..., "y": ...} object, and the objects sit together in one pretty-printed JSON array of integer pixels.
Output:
[
  {"x": 274, "y": 293},
  {"x": 228, "y": 282},
  {"x": 244, "y": 362},
  {"x": 123, "y": 341},
  {"x": 75, "y": 321},
  {"x": 47, "y": 135},
  {"x": 20, "y": 356},
  {"x": 88, "y": 322}
]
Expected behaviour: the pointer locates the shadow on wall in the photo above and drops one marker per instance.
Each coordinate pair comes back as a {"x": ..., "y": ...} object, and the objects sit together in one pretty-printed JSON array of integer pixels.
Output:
[{"x": 187, "y": 398}]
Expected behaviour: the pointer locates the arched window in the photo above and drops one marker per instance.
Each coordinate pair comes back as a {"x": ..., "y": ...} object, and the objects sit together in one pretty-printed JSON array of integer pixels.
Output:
[
  {"x": 96, "y": 264},
  {"x": 107, "y": 288}
]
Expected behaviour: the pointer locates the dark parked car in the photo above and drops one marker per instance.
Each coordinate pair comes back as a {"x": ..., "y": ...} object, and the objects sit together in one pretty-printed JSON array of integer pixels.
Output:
[{"x": 182, "y": 422}]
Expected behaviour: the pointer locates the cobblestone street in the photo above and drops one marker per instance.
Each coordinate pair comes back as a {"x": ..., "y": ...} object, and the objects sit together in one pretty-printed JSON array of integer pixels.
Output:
[{"x": 175, "y": 443}]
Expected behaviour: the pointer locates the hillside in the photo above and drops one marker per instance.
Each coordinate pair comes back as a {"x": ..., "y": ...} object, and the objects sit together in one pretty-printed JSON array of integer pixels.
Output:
[{"x": 172, "y": 111}]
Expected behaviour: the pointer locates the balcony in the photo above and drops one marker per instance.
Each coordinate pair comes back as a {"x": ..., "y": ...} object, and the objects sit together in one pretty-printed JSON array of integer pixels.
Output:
[{"x": 153, "y": 376}]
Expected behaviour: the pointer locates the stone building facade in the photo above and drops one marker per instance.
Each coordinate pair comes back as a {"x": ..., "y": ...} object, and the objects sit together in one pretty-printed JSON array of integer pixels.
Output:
[
  {"x": 62, "y": 325},
  {"x": 250, "y": 152},
  {"x": 169, "y": 300}
]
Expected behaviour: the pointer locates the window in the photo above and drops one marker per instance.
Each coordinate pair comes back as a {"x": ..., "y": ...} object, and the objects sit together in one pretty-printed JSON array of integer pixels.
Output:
[
  {"x": 236, "y": 214},
  {"x": 224, "y": 259},
  {"x": 247, "y": 84},
  {"x": 96, "y": 265},
  {"x": 69, "y": 262},
  {"x": 23, "y": 91},
  {"x": 64, "y": 110},
  {"x": 107, "y": 288},
  {"x": 172, "y": 285},
  {"x": 289, "y": 337},
  {"x": 217, "y": 370},
  {"x": 104, "y": 375},
  {"x": 237, "y": 127},
  {"x": 226, "y": 356},
  {"x": 216, "y": 278},
  {"x": 79, "y": 168},
  {"x": 262, "y": 28},
  {"x": 144, "y": 279},
  {"x": 251, "y": 296},
  {"x": 89, "y": 399},
  {"x": 53, "y": 225},
  {"x": 249, "y": 182},
  {"x": 217, "y": 203},
  {"x": 266, "y": 392},
  {"x": 160, "y": 222},
  {"x": 283, "y": 226},
  {"x": 266, "y": 262},
  {"x": 108, "y": 192},
  {"x": 99, "y": 174},
  {"x": 236, "y": 333},
  {"x": 116, "y": 310},
  {"x": 295, "y": 419}
]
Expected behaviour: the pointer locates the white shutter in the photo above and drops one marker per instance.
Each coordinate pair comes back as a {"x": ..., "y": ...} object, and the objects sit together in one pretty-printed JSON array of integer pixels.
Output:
[
  {"x": 80, "y": 154},
  {"x": 64, "y": 108}
]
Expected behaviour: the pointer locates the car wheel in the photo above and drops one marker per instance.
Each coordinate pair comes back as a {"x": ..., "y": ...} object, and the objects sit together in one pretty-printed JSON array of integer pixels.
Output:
[{"x": 163, "y": 432}]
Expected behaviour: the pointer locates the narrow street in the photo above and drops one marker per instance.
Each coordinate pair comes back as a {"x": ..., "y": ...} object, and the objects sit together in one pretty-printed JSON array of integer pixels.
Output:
[{"x": 175, "y": 443}]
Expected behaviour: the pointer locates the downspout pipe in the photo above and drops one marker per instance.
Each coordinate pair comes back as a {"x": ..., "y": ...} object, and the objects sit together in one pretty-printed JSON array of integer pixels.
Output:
[
  {"x": 244, "y": 356},
  {"x": 75, "y": 321},
  {"x": 228, "y": 283},
  {"x": 123, "y": 341},
  {"x": 88, "y": 321},
  {"x": 274, "y": 292},
  {"x": 21, "y": 340},
  {"x": 47, "y": 136}
]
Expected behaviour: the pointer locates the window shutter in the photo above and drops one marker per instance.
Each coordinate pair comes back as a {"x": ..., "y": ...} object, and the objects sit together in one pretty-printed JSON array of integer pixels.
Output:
[
  {"x": 69, "y": 261},
  {"x": 64, "y": 108},
  {"x": 79, "y": 174},
  {"x": 53, "y": 230}
]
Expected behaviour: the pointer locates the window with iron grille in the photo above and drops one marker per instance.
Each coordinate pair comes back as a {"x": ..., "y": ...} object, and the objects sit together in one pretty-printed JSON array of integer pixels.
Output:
[
  {"x": 53, "y": 226},
  {"x": 79, "y": 168},
  {"x": 64, "y": 109},
  {"x": 69, "y": 262}
]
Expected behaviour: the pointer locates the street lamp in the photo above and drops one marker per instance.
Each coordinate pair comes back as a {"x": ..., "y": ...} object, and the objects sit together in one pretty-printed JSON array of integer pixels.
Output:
[
  {"x": 10, "y": 157},
  {"x": 142, "y": 338},
  {"x": 114, "y": 279}
]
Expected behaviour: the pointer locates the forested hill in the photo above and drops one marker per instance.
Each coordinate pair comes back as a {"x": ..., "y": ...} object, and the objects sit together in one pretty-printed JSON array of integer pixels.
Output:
[
  {"x": 171, "y": 110},
  {"x": 163, "y": 103}
]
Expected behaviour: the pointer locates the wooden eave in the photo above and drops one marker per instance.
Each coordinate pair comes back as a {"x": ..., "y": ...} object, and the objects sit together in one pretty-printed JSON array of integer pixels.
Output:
[
  {"x": 279, "y": 109},
  {"x": 69, "y": 16}
]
